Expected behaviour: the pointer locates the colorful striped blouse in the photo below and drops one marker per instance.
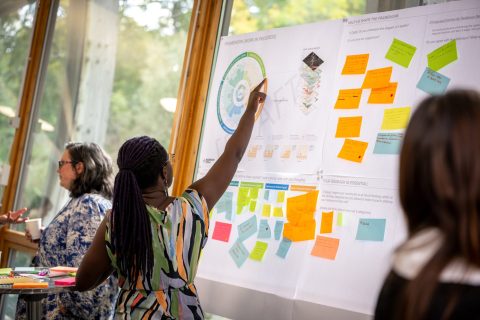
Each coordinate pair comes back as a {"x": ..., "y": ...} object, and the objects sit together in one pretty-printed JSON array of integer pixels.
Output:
[{"x": 178, "y": 235}]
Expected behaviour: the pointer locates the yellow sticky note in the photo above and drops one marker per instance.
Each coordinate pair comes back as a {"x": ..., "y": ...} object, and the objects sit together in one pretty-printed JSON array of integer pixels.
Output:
[
  {"x": 299, "y": 231},
  {"x": 395, "y": 118},
  {"x": 278, "y": 212},
  {"x": 325, "y": 247},
  {"x": 253, "y": 193},
  {"x": 355, "y": 64},
  {"x": 353, "y": 150},
  {"x": 258, "y": 251},
  {"x": 348, "y": 99},
  {"x": 327, "y": 222},
  {"x": 266, "y": 210},
  {"x": 383, "y": 95},
  {"x": 281, "y": 196},
  {"x": 377, "y": 78},
  {"x": 341, "y": 219},
  {"x": 348, "y": 127},
  {"x": 253, "y": 205}
]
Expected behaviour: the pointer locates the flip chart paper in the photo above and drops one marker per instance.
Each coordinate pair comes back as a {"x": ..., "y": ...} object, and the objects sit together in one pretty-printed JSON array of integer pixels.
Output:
[
  {"x": 247, "y": 228},
  {"x": 355, "y": 64},
  {"x": 440, "y": 57},
  {"x": 327, "y": 222},
  {"x": 353, "y": 150},
  {"x": 400, "y": 52},
  {"x": 222, "y": 231},
  {"x": 258, "y": 251},
  {"x": 377, "y": 78},
  {"x": 264, "y": 231},
  {"x": 433, "y": 82},
  {"x": 325, "y": 247},
  {"x": 395, "y": 118},
  {"x": 283, "y": 248},
  {"x": 348, "y": 127},
  {"x": 388, "y": 143},
  {"x": 371, "y": 229},
  {"x": 348, "y": 99},
  {"x": 383, "y": 95},
  {"x": 239, "y": 253}
]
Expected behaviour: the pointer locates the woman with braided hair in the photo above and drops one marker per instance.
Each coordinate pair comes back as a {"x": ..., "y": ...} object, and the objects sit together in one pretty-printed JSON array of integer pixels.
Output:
[{"x": 153, "y": 241}]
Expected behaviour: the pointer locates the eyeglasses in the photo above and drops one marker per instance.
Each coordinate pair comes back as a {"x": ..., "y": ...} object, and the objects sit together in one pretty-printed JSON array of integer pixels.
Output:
[{"x": 61, "y": 163}]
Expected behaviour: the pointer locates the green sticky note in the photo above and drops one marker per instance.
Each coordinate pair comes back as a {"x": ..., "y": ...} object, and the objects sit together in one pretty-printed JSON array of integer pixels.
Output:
[
  {"x": 442, "y": 56},
  {"x": 253, "y": 193},
  {"x": 253, "y": 205},
  {"x": 340, "y": 219},
  {"x": 400, "y": 52},
  {"x": 258, "y": 251}
]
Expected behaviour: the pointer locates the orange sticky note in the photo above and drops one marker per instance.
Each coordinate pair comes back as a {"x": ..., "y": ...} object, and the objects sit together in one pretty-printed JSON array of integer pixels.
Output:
[
  {"x": 302, "y": 207},
  {"x": 299, "y": 231},
  {"x": 348, "y": 99},
  {"x": 348, "y": 127},
  {"x": 26, "y": 285},
  {"x": 377, "y": 78},
  {"x": 325, "y": 247},
  {"x": 383, "y": 95},
  {"x": 327, "y": 222},
  {"x": 355, "y": 64},
  {"x": 353, "y": 150}
]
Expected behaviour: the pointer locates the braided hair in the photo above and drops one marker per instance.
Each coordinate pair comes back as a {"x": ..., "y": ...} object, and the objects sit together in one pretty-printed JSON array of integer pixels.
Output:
[{"x": 140, "y": 162}]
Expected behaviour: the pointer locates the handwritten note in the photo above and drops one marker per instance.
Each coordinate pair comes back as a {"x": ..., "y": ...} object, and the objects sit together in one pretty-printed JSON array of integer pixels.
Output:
[
  {"x": 247, "y": 228},
  {"x": 239, "y": 253},
  {"x": 371, "y": 229},
  {"x": 267, "y": 208},
  {"x": 395, "y": 118},
  {"x": 433, "y": 82},
  {"x": 348, "y": 127},
  {"x": 440, "y": 57},
  {"x": 281, "y": 196},
  {"x": 348, "y": 99},
  {"x": 383, "y": 95},
  {"x": 302, "y": 206},
  {"x": 301, "y": 231},
  {"x": 264, "y": 231},
  {"x": 283, "y": 248},
  {"x": 355, "y": 64},
  {"x": 400, "y": 52},
  {"x": 277, "y": 230},
  {"x": 327, "y": 222},
  {"x": 388, "y": 143},
  {"x": 353, "y": 150},
  {"x": 377, "y": 78},
  {"x": 278, "y": 212},
  {"x": 222, "y": 231},
  {"x": 258, "y": 251},
  {"x": 325, "y": 247},
  {"x": 225, "y": 202}
]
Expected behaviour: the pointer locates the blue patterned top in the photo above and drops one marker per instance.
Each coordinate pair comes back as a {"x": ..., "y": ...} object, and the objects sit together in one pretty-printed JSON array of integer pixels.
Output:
[{"x": 64, "y": 243}]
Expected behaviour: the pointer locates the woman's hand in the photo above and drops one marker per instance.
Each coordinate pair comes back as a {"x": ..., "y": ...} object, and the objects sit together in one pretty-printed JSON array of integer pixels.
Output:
[
  {"x": 13, "y": 216},
  {"x": 28, "y": 235},
  {"x": 256, "y": 97}
]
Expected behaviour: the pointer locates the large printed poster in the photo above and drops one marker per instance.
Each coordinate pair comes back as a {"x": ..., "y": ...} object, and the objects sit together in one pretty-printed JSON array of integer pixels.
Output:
[{"x": 313, "y": 213}]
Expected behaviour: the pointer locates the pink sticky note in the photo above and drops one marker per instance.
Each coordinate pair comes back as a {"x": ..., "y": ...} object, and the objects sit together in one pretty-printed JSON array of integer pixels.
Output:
[
  {"x": 65, "y": 282},
  {"x": 222, "y": 231}
]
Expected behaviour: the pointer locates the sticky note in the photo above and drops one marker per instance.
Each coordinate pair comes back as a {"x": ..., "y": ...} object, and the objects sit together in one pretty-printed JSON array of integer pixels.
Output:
[
  {"x": 442, "y": 56},
  {"x": 371, "y": 229},
  {"x": 242, "y": 199},
  {"x": 385, "y": 95},
  {"x": 327, "y": 222},
  {"x": 266, "y": 195},
  {"x": 325, "y": 247},
  {"x": 353, "y": 150},
  {"x": 264, "y": 231},
  {"x": 222, "y": 231},
  {"x": 388, "y": 143},
  {"x": 355, "y": 64},
  {"x": 70, "y": 281},
  {"x": 283, "y": 248},
  {"x": 341, "y": 219},
  {"x": 277, "y": 230},
  {"x": 278, "y": 212},
  {"x": 24, "y": 269},
  {"x": 348, "y": 127},
  {"x": 281, "y": 196},
  {"x": 253, "y": 205},
  {"x": 266, "y": 210},
  {"x": 258, "y": 251},
  {"x": 301, "y": 231},
  {"x": 400, "y": 52},
  {"x": 247, "y": 228},
  {"x": 433, "y": 82},
  {"x": 395, "y": 118},
  {"x": 253, "y": 193},
  {"x": 302, "y": 207},
  {"x": 225, "y": 202},
  {"x": 348, "y": 99},
  {"x": 239, "y": 253},
  {"x": 28, "y": 285},
  {"x": 377, "y": 78},
  {"x": 5, "y": 271}
]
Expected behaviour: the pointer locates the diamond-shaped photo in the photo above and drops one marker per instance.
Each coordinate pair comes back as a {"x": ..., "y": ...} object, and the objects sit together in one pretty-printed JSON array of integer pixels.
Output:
[{"x": 313, "y": 61}]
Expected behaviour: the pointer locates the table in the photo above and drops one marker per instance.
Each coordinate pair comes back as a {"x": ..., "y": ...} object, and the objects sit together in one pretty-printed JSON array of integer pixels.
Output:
[{"x": 34, "y": 296}]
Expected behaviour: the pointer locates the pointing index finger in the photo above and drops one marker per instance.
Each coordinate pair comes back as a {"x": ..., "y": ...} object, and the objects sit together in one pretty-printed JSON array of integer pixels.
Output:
[{"x": 257, "y": 88}]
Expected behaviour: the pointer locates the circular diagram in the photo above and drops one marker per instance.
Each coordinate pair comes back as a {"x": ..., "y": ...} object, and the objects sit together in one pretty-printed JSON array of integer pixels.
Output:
[{"x": 243, "y": 74}]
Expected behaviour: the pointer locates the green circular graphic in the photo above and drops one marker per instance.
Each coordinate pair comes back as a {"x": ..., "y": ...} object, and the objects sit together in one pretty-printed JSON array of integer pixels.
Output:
[{"x": 242, "y": 75}]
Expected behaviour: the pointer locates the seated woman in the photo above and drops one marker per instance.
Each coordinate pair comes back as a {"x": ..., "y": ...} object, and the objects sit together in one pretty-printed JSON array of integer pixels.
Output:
[
  {"x": 153, "y": 241},
  {"x": 436, "y": 272},
  {"x": 86, "y": 171}
]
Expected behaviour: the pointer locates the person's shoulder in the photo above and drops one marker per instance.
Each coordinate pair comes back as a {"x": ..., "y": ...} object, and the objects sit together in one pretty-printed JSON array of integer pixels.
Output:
[{"x": 95, "y": 200}]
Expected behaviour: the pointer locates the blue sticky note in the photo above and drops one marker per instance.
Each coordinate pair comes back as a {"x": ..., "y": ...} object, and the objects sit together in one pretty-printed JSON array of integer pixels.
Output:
[
  {"x": 283, "y": 248},
  {"x": 433, "y": 82},
  {"x": 264, "y": 231},
  {"x": 266, "y": 195},
  {"x": 277, "y": 231},
  {"x": 247, "y": 228},
  {"x": 388, "y": 143},
  {"x": 371, "y": 229},
  {"x": 239, "y": 253}
]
